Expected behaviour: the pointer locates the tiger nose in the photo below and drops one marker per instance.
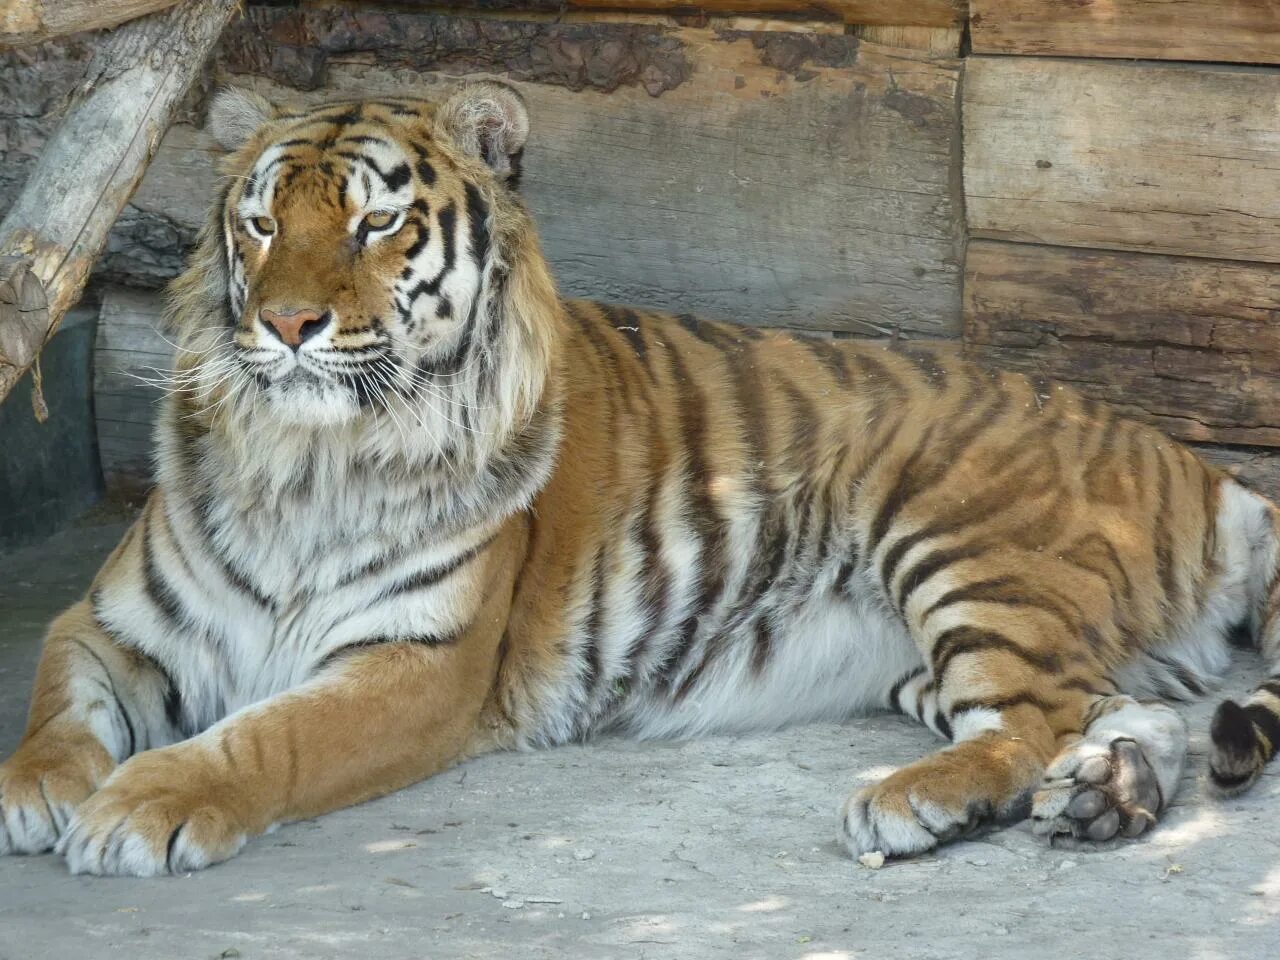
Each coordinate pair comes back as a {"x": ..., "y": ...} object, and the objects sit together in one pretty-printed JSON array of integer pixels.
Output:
[{"x": 295, "y": 327}]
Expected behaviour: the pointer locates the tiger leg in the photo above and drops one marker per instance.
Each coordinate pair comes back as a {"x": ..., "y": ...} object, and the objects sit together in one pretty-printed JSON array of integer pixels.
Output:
[
  {"x": 1117, "y": 778},
  {"x": 1007, "y": 723},
  {"x": 94, "y": 704},
  {"x": 371, "y": 722}
]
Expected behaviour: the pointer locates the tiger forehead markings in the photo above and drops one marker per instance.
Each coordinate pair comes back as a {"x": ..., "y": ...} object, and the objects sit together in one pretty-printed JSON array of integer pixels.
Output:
[{"x": 411, "y": 506}]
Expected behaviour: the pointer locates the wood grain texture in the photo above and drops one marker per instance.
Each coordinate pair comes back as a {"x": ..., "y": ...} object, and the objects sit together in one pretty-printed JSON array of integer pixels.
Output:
[
  {"x": 1159, "y": 157},
  {"x": 92, "y": 163},
  {"x": 35, "y": 21},
  {"x": 1191, "y": 345},
  {"x": 1231, "y": 31},
  {"x": 129, "y": 351},
  {"x": 782, "y": 182}
]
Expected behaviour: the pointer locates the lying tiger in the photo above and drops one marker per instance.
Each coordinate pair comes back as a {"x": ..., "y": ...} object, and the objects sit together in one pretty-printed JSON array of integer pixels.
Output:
[{"x": 413, "y": 507}]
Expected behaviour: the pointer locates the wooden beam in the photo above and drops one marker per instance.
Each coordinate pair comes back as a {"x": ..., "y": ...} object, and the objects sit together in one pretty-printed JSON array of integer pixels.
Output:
[
  {"x": 34, "y": 21},
  {"x": 1233, "y": 31},
  {"x": 1189, "y": 344},
  {"x": 1168, "y": 158},
  {"x": 916, "y": 13},
  {"x": 92, "y": 163}
]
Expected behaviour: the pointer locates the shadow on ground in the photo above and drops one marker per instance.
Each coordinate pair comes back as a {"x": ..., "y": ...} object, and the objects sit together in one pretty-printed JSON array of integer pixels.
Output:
[{"x": 718, "y": 848}]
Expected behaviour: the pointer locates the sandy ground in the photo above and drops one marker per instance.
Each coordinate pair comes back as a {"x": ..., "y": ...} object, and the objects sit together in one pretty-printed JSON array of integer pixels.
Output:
[{"x": 718, "y": 848}]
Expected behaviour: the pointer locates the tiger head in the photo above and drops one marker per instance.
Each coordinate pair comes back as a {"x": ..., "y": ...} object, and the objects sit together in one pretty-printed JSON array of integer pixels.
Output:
[{"x": 368, "y": 256}]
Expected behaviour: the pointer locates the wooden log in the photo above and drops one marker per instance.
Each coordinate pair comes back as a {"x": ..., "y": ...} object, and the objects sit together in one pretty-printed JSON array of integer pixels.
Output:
[
  {"x": 920, "y": 13},
  {"x": 1256, "y": 467},
  {"x": 1191, "y": 345},
  {"x": 24, "y": 322},
  {"x": 91, "y": 165},
  {"x": 1158, "y": 157},
  {"x": 35, "y": 21},
  {"x": 130, "y": 354},
  {"x": 1232, "y": 31}
]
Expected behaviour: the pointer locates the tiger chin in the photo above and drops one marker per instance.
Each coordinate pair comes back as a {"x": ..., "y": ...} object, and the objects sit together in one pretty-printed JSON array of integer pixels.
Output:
[{"x": 412, "y": 507}]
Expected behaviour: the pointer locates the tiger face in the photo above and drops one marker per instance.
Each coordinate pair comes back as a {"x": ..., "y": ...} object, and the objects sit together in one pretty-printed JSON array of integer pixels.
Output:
[{"x": 360, "y": 244}]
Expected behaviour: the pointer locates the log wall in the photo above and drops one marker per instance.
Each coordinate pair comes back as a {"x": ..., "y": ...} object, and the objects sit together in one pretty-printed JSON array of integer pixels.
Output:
[
  {"x": 833, "y": 165},
  {"x": 1125, "y": 216}
]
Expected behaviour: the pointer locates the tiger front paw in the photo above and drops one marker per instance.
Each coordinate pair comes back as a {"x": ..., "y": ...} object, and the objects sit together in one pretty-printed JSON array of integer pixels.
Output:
[
  {"x": 42, "y": 785},
  {"x": 155, "y": 815}
]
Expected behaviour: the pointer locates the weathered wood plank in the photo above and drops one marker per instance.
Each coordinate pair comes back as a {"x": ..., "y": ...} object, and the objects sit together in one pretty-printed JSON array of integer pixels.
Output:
[
  {"x": 35, "y": 21},
  {"x": 1231, "y": 31},
  {"x": 1192, "y": 345},
  {"x": 131, "y": 350},
  {"x": 786, "y": 178},
  {"x": 1256, "y": 467},
  {"x": 92, "y": 163},
  {"x": 1158, "y": 157}
]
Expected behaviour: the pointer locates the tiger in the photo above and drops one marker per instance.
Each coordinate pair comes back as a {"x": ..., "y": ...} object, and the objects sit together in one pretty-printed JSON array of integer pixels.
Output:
[{"x": 412, "y": 507}]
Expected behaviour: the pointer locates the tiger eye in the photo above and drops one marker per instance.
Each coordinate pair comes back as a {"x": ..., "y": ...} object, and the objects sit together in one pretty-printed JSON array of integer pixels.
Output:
[
  {"x": 264, "y": 225},
  {"x": 379, "y": 220}
]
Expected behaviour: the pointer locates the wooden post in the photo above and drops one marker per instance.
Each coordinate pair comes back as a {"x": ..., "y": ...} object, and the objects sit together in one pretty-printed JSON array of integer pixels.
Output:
[
  {"x": 91, "y": 165},
  {"x": 34, "y": 21}
]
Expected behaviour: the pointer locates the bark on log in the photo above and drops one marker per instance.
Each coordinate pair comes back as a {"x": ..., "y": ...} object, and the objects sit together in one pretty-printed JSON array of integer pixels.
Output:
[
  {"x": 34, "y": 21},
  {"x": 920, "y": 13},
  {"x": 92, "y": 164}
]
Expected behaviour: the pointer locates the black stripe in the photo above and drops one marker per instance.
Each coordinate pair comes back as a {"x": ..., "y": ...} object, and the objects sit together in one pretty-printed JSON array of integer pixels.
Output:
[
  {"x": 913, "y": 479},
  {"x": 1163, "y": 539},
  {"x": 426, "y": 172},
  {"x": 446, "y": 220},
  {"x": 591, "y": 639},
  {"x": 1086, "y": 686},
  {"x": 903, "y": 490},
  {"x": 942, "y": 724},
  {"x": 959, "y": 641},
  {"x": 1233, "y": 780},
  {"x": 202, "y": 508},
  {"x": 901, "y": 682},
  {"x": 656, "y": 587},
  {"x": 1269, "y": 724},
  {"x": 1075, "y": 555},
  {"x": 691, "y": 411},
  {"x": 158, "y": 590},
  {"x": 478, "y": 219},
  {"x": 762, "y": 645},
  {"x": 830, "y": 356},
  {"x": 999, "y": 703},
  {"x": 422, "y": 640},
  {"x": 431, "y": 576},
  {"x": 930, "y": 367},
  {"x": 929, "y": 566},
  {"x": 1013, "y": 592},
  {"x": 110, "y": 687}
]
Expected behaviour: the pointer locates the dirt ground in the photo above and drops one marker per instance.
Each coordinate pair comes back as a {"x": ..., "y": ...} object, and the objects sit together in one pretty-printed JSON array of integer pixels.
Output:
[{"x": 717, "y": 848}]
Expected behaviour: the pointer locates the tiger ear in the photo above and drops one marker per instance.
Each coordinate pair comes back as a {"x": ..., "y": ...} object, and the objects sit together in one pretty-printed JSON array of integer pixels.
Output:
[
  {"x": 235, "y": 115},
  {"x": 487, "y": 120}
]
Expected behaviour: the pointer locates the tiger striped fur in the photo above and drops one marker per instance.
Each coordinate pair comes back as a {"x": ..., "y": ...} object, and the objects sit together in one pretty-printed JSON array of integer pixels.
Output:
[{"x": 412, "y": 507}]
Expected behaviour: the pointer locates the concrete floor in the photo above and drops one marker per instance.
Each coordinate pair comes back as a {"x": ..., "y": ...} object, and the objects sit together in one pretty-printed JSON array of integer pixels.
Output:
[{"x": 719, "y": 848}]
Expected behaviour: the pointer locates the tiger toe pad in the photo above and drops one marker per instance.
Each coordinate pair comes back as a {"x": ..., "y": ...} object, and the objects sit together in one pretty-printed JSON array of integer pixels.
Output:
[{"x": 1097, "y": 792}]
